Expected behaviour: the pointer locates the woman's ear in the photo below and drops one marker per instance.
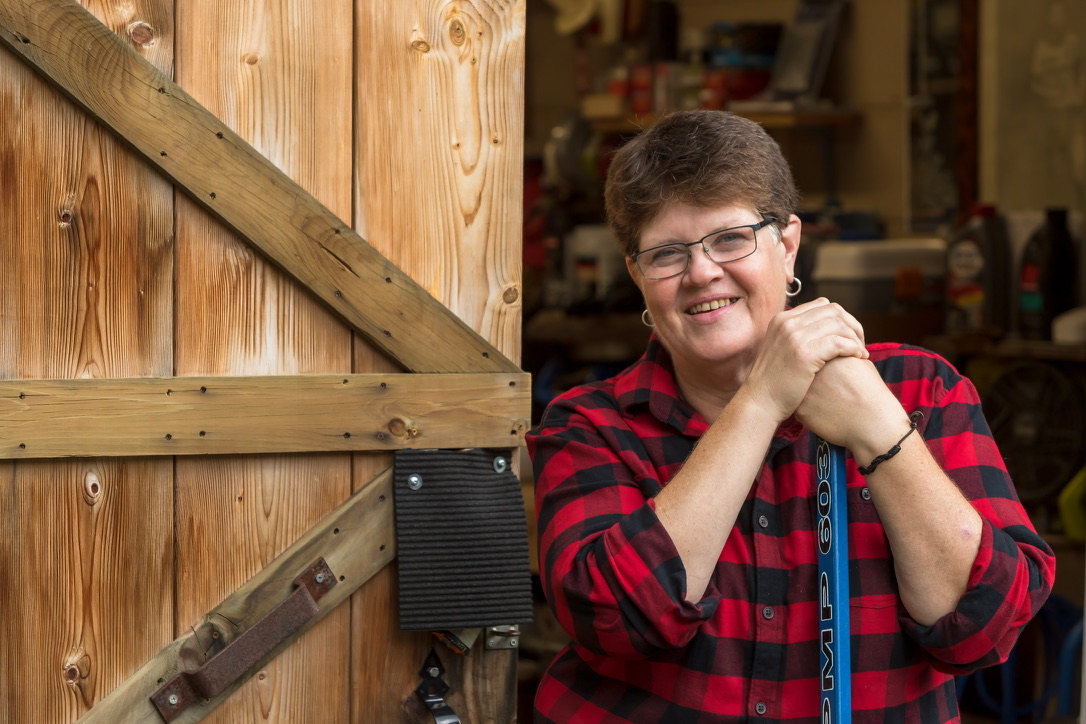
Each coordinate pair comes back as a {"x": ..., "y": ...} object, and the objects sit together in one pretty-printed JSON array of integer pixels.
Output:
[
  {"x": 790, "y": 238},
  {"x": 631, "y": 269}
]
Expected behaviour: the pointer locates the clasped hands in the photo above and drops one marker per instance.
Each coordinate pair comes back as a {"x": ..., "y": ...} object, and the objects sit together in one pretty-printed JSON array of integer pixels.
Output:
[{"x": 813, "y": 363}]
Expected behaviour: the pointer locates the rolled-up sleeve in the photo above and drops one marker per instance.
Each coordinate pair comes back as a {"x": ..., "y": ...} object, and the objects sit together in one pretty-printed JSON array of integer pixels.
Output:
[
  {"x": 609, "y": 569},
  {"x": 1014, "y": 569}
]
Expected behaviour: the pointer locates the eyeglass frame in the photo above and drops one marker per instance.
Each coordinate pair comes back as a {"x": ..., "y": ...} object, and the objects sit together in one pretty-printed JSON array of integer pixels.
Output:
[{"x": 753, "y": 227}]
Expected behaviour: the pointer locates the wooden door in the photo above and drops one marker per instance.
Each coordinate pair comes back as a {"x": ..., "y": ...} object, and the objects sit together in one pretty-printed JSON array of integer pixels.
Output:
[{"x": 402, "y": 119}]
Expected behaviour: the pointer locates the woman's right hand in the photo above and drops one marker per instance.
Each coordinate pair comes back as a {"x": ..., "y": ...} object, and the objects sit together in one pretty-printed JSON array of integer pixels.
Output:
[{"x": 797, "y": 344}]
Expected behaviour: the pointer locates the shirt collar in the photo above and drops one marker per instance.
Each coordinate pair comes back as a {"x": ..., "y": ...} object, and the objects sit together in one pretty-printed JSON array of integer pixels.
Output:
[{"x": 650, "y": 384}]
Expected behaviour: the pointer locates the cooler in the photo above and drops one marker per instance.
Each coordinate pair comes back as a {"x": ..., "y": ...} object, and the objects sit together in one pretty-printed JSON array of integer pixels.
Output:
[{"x": 894, "y": 287}]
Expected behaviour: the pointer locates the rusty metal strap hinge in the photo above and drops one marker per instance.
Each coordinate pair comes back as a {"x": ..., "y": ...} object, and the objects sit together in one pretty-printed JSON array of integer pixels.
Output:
[{"x": 225, "y": 667}]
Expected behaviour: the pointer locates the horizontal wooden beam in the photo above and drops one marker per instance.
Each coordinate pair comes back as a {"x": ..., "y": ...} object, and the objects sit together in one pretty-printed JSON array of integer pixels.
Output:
[
  {"x": 263, "y": 414},
  {"x": 356, "y": 540},
  {"x": 104, "y": 75}
]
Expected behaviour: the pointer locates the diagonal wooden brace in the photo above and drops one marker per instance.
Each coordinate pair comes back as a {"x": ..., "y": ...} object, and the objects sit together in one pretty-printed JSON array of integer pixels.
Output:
[
  {"x": 223, "y": 173},
  {"x": 357, "y": 539},
  {"x": 224, "y": 668}
]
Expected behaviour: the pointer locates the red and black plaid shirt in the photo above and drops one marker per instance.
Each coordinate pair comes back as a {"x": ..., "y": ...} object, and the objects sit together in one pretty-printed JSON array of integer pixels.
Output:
[{"x": 749, "y": 649}]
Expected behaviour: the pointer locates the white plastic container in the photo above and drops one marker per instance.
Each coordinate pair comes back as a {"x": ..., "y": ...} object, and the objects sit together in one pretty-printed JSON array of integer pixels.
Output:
[
  {"x": 895, "y": 287},
  {"x": 881, "y": 275},
  {"x": 593, "y": 262}
]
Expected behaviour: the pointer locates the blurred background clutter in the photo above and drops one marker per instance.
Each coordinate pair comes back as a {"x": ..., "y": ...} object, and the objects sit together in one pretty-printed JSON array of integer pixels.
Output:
[{"x": 940, "y": 149}]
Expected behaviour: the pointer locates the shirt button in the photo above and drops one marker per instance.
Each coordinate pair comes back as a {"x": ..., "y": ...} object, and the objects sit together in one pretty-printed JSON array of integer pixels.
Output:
[
  {"x": 865, "y": 494},
  {"x": 763, "y": 521},
  {"x": 767, "y": 612},
  {"x": 760, "y": 707}
]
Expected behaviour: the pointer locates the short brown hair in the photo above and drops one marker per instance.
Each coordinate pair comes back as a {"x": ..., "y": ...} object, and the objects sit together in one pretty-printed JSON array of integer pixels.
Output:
[{"x": 701, "y": 158}]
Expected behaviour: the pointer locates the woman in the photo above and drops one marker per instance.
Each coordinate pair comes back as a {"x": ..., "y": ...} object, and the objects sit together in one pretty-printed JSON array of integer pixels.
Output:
[{"x": 676, "y": 500}]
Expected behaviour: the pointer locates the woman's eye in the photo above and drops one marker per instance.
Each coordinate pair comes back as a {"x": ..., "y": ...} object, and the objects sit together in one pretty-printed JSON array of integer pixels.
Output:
[
  {"x": 728, "y": 239},
  {"x": 666, "y": 255}
]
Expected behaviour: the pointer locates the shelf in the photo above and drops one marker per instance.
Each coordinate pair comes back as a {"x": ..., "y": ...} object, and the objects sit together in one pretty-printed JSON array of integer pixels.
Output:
[
  {"x": 824, "y": 121},
  {"x": 603, "y": 337},
  {"x": 1007, "y": 348},
  {"x": 814, "y": 118}
]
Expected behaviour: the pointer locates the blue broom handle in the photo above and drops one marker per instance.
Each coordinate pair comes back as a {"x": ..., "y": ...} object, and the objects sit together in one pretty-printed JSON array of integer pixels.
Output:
[{"x": 833, "y": 589}]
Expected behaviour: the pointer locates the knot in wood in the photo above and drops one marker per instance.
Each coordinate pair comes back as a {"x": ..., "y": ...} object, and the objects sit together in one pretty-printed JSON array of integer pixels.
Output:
[
  {"x": 92, "y": 488},
  {"x": 402, "y": 430},
  {"x": 457, "y": 33},
  {"x": 510, "y": 295},
  {"x": 421, "y": 46},
  {"x": 141, "y": 33},
  {"x": 76, "y": 668}
]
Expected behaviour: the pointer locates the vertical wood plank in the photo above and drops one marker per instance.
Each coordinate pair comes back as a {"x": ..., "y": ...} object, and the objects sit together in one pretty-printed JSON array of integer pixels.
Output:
[
  {"x": 86, "y": 239},
  {"x": 9, "y": 591},
  {"x": 278, "y": 73},
  {"x": 438, "y": 153}
]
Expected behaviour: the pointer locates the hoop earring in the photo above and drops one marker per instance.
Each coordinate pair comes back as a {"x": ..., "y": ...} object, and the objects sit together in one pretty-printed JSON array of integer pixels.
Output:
[
  {"x": 646, "y": 319},
  {"x": 799, "y": 287}
]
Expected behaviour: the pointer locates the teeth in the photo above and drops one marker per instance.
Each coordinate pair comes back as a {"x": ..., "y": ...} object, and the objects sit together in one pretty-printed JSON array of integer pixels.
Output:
[{"x": 709, "y": 306}]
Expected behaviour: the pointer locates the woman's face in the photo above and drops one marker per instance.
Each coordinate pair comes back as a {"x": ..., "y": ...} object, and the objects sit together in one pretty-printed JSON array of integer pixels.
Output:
[{"x": 714, "y": 313}]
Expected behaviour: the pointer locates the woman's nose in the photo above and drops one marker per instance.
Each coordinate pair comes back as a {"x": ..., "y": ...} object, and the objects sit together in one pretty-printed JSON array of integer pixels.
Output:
[{"x": 701, "y": 269}]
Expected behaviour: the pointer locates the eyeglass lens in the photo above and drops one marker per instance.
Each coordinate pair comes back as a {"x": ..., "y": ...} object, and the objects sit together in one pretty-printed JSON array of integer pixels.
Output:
[{"x": 720, "y": 246}]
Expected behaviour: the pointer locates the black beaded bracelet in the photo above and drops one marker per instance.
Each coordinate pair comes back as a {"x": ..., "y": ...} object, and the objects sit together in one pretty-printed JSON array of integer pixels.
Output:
[{"x": 914, "y": 420}]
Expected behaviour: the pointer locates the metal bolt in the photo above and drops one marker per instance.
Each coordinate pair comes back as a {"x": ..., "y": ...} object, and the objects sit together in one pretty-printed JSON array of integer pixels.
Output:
[
  {"x": 433, "y": 671},
  {"x": 414, "y": 481},
  {"x": 500, "y": 464},
  {"x": 320, "y": 578},
  {"x": 173, "y": 700}
]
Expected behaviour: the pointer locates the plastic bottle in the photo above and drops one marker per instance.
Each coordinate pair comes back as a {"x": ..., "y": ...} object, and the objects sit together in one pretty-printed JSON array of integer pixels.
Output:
[
  {"x": 1048, "y": 276},
  {"x": 978, "y": 281},
  {"x": 1072, "y": 506}
]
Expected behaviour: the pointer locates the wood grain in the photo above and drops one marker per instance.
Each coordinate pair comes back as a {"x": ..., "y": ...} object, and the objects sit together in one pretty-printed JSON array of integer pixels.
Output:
[
  {"x": 439, "y": 151},
  {"x": 439, "y": 116},
  {"x": 273, "y": 74},
  {"x": 264, "y": 414},
  {"x": 86, "y": 242},
  {"x": 215, "y": 162},
  {"x": 276, "y": 79},
  {"x": 357, "y": 539}
]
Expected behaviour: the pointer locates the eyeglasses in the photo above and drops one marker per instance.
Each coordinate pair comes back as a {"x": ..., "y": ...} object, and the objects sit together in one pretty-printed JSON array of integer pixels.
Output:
[{"x": 669, "y": 260}]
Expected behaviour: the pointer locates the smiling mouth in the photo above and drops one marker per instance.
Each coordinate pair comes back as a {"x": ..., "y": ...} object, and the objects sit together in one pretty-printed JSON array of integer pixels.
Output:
[{"x": 710, "y": 306}]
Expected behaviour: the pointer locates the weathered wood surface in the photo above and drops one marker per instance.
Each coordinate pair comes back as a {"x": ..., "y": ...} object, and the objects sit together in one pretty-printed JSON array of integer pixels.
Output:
[
  {"x": 86, "y": 232},
  {"x": 440, "y": 188},
  {"x": 357, "y": 540},
  {"x": 263, "y": 414},
  {"x": 213, "y": 157},
  {"x": 273, "y": 72},
  {"x": 435, "y": 141},
  {"x": 438, "y": 155}
]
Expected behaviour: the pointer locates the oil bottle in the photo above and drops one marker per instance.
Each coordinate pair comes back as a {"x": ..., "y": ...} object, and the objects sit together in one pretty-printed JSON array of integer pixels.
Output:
[
  {"x": 978, "y": 282},
  {"x": 1048, "y": 276}
]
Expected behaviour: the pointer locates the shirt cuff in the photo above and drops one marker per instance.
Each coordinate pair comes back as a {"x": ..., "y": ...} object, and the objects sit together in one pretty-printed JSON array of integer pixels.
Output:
[{"x": 648, "y": 565}]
